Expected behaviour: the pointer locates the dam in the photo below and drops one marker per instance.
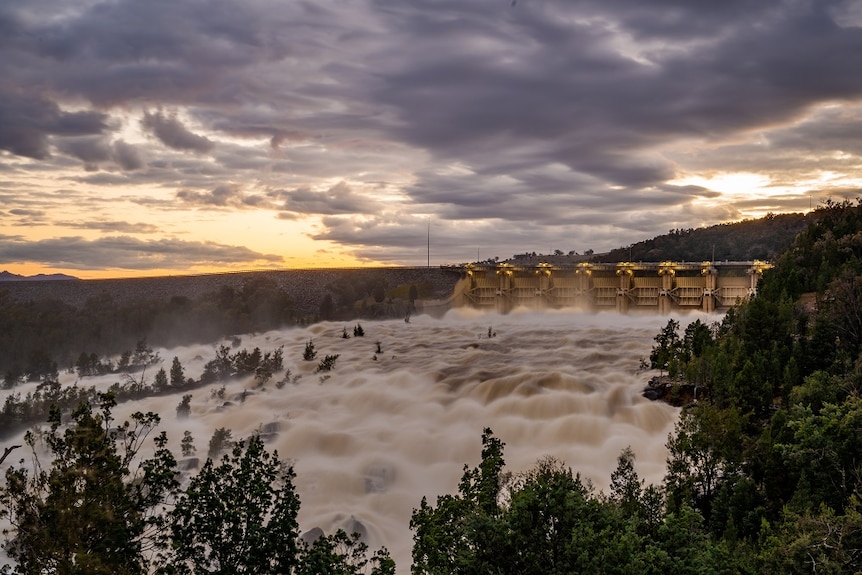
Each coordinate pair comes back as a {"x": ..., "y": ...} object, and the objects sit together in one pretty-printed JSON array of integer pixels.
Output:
[{"x": 658, "y": 287}]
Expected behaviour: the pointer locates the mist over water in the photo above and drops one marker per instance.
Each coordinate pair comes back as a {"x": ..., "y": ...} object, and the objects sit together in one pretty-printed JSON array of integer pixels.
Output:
[{"x": 377, "y": 435}]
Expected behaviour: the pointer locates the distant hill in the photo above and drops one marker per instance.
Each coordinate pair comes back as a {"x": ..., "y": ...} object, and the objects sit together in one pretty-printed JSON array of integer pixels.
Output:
[
  {"x": 762, "y": 239},
  {"x": 6, "y": 276}
]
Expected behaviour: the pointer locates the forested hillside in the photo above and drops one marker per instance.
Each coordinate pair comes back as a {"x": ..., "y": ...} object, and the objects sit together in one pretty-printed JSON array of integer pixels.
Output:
[
  {"x": 41, "y": 335},
  {"x": 761, "y": 239}
]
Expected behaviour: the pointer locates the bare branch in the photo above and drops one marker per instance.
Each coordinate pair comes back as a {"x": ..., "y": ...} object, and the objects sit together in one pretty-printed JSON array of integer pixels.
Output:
[{"x": 7, "y": 452}]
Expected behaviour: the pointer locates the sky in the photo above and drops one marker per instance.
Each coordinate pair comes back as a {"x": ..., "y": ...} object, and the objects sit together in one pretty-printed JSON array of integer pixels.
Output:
[{"x": 142, "y": 138}]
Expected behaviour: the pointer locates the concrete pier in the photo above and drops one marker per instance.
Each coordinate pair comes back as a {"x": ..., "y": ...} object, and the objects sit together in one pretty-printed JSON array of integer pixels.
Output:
[{"x": 661, "y": 287}]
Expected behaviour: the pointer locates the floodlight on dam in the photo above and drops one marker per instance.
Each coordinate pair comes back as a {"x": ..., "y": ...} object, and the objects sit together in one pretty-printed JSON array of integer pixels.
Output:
[{"x": 667, "y": 268}]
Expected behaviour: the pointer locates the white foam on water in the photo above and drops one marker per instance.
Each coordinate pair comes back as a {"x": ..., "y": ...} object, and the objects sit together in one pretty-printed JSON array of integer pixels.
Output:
[{"x": 377, "y": 435}]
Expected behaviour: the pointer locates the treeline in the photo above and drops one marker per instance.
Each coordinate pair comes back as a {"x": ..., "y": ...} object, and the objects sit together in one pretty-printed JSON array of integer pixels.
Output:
[
  {"x": 38, "y": 338},
  {"x": 769, "y": 454},
  {"x": 100, "y": 509},
  {"x": 761, "y": 239},
  {"x": 135, "y": 382}
]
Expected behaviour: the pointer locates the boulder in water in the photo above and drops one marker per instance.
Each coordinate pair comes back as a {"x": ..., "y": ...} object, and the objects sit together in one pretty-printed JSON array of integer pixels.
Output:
[
  {"x": 312, "y": 535},
  {"x": 353, "y": 525}
]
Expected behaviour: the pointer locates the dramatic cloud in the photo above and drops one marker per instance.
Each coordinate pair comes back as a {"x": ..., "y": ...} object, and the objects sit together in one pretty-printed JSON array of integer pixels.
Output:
[
  {"x": 22, "y": 212},
  {"x": 339, "y": 199},
  {"x": 123, "y": 252},
  {"x": 173, "y": 134},
  {"x": 341, "y": 127},
  {"x": 27, "y": 122},
  {"x": 115, "y": 227}
]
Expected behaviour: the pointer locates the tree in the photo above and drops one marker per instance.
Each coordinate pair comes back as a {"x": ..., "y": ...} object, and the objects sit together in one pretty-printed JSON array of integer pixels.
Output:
[
  {"x": 626, "y": 487},
  {"x": 221, "y": 440},
  {"x": 93, "y": 510},
  {"x": 456, "y": 535},
  {"x": 184, "y": 409},
  {"x": 668, "y": 345},
  {"x": 188, "y": 444},
  {"x": 343, "y": 554},
  {"x": 160, "y": 383},
  {"x": 237, "y": 516},
  {"x": 327, "y": 363},
  {"x": 144, "y": 355},
  {"x": 310, "y": 353},
  {"x": 178, "y": 377},
  {"x": 704, "y": 449}
]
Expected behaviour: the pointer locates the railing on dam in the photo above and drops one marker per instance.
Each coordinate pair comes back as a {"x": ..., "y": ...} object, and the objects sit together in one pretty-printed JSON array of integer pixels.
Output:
[{"x": 623, "y": 286}]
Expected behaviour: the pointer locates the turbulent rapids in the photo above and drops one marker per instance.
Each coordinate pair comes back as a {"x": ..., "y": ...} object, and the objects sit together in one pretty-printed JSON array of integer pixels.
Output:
[{"x": 372, "y": 437}]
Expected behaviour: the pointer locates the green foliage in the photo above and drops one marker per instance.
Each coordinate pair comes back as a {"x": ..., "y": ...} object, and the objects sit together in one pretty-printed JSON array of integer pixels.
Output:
[
  {"x": 326, "y": 364},
  {"x": 187, "y": 445},
  {"x": 764, "y": 239},
  {"x": 769, "y": 455},
  {"x": 221, "y": 440},
  {"x": 160, "y": 382},
  {"x": 664, "y": 354},
  {"x": 242, "y": 363},
  {"x": 310, "y": 353},
  {"x": 178, "y": 377},
  {"x": 184, "y": 409},
  {"x": 548, "y": 520},
  {"x": 704, "y": 449},
  {"x": 816, "y": 541},
  {"x": 101, "y": 509},
  {"x": 91, "y": 511},
  {"x": 237, "y": 516},
  {"x": 37, "y": 336},
  {"x": 343, "y": 554}
]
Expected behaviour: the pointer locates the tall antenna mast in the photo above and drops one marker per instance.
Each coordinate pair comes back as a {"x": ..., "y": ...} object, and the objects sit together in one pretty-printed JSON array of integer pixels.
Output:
[{"x": 429, "y": 241}]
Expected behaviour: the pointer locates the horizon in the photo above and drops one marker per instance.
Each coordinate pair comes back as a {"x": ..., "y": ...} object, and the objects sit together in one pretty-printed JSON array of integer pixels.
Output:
[{"x": 187, "y": 138}]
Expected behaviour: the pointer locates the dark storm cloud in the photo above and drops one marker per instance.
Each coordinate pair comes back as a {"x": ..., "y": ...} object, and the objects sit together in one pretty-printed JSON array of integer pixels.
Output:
[
  {"x": 28, "y": 121},
  {"x": 127, "y": 156},
  {"x": 123, "y": 252},
  {"x": 339, "y": 199},
  {"x": 172, "y": 133},
  {"x": 556, "y": 72},
  {"x": 89, "y": 150},
  {"x": 558, "y": 118}
]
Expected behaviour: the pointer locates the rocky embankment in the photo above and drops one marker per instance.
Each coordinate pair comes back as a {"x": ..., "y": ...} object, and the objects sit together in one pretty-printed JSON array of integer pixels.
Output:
[
  {"x": 673, "y": 391},
  {"x": 306, "y": 287}
]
